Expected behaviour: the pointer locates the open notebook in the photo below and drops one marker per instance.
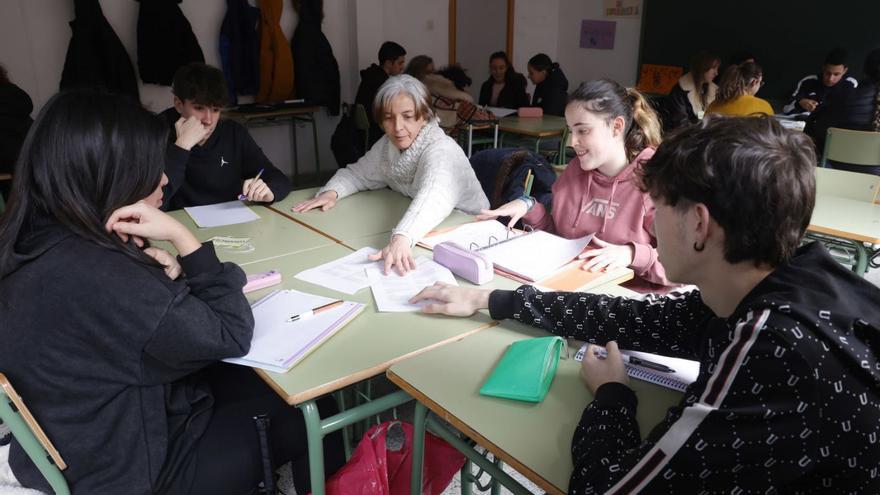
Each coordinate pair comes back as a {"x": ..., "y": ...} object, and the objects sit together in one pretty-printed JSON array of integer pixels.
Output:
[
  {"x": 535, "y": 257},
  {"x": 683, "y": 371},
  {"x": 278, "y": 344}
]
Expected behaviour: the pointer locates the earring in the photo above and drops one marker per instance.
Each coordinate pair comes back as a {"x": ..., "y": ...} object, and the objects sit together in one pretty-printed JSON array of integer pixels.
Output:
[{"x": 699, "y": 248}]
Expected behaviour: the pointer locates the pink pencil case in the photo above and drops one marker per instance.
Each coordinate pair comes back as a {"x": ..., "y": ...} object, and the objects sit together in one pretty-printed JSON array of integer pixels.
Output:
[
  {"x": 261, "y": 280},
  {"x": 530, "y": 112},
  {"x": 472, "y": 266}
]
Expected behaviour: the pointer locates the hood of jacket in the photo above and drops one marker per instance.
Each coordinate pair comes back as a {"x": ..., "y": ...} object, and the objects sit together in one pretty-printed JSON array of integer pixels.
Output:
[
  {"x": 592, "y": 185},
  {"x": 848, "y": 321},
  {"x": 687, "y": 84}
]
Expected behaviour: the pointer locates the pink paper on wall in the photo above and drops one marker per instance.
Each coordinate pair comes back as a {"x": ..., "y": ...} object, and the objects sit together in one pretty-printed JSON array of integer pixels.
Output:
[{"x": 598, "y": 34}]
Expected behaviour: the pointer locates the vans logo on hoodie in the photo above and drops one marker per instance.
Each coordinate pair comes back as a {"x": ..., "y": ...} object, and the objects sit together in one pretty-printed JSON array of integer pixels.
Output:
[{"x": 598, "y": 207}]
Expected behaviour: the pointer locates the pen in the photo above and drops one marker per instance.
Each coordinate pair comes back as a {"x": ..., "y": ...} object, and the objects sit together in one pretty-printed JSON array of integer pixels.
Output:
[
  {"x": 242, "y": 197},
  {"x": 527, "y": 184},
  {"x": 314, "y": 311},
  {"x": 602, "y": 354}
]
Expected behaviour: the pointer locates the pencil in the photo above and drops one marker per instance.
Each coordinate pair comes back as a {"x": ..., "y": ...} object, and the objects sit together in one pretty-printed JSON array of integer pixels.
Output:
[{"x": 242, "y": 197}]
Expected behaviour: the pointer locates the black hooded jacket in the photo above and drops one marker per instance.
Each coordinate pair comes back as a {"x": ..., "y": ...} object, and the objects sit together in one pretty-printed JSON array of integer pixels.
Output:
[
  {"x": 95, "y": 56},
  {"x": 787, "y": 399},
  {"x": 165, "y": 41},
  {"x": 371, "y": 79},
  {"x": 316, "y": 69},
  {"x": 552, "y": 93},
  {"x": 103, "y": 349}
]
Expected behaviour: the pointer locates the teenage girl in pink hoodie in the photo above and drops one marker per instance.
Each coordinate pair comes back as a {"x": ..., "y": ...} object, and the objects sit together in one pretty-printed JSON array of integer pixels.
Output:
[{"x": 613, "y": 130}]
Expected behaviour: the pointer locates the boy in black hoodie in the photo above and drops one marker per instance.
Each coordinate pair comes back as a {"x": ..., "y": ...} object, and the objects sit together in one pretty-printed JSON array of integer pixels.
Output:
[
  {"x": 392, "y": 59},
  {"x": 211, "y": 160},
  {"x": 788, "y": 394}
]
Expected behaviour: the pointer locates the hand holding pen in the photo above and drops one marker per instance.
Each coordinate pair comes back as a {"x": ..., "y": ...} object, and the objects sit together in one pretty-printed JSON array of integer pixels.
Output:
[
  {"x": 603, "y": 354},
  {"x": 256, "y": 190}
]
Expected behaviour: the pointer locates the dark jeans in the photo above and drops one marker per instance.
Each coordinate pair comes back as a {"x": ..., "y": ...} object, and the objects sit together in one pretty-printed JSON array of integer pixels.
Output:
[{"x": 228, "y": 454}]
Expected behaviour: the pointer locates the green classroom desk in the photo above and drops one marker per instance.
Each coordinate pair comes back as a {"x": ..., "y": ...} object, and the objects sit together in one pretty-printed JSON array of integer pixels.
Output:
[
  {"x": 364, "y": 348},
  {"x": 536, "y": 128},
  {"x": 850, "y": 220},
  {"x": 535, "y": 439},
  {"x": 362, "y": 214},
  {"x": 272, "y": 236}
]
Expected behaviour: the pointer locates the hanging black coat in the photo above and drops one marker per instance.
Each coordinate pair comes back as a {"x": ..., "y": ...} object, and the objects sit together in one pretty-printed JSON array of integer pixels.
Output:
[
  {"x": 165, "y": 41},
  {"x": 240, "y": 49},
  {"x": 95, "y": 56},
  {"x": 315, "y": 67}
]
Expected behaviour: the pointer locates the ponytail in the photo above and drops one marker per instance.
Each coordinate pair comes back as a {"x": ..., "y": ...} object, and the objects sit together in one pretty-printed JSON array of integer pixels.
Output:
[
  {"x": 736, "y": 80},
  {"x": 645, "y": 131}
]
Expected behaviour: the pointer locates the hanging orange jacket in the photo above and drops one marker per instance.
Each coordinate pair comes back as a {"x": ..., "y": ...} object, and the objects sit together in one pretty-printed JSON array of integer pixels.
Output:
[{"x": 276, "y": 61}]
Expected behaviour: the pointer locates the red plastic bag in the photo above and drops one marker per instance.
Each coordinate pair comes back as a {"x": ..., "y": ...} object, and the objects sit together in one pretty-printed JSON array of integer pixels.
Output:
[{"x": 375, "y": 469}]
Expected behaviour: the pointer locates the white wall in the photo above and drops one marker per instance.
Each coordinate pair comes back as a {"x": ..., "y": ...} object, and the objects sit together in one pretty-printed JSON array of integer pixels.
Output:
[
  {"x": 583, "y": 64},
  {"x": 481, "y": 29},
  {"x": 535, "y": 27},
  {"x": 553, "y": 27}
]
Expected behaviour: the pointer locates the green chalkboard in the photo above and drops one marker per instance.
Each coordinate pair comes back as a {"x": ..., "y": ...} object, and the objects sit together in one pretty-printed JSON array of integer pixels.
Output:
[{"x": 789, "y": 38}]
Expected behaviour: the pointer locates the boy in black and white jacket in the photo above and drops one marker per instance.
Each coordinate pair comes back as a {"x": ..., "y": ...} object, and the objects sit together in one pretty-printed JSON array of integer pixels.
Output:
[{"x": 788, "y": 395}]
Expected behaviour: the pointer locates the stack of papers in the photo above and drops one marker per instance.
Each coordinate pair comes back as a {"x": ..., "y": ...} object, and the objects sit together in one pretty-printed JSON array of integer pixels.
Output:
[
  {"x": 345, "y": 274},
  {"x": 392, "y": 292}
]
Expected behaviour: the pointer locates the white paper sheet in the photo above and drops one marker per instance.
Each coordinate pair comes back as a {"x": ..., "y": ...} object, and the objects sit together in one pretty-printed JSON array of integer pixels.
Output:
[
  {"x": 535, "y": 255},
  {"x": 480, "y": 233},
  {"x": 501, "y": 111},
  {"x": 220, "y": 214},
  {"x": 684, "y": 371},
  {"x": 392, "y": 292},
  {"x": 345, "y": 274}
]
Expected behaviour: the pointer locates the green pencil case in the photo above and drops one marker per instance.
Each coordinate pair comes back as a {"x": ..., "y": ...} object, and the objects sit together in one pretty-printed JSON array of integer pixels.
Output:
[{"x": 526, "y": 370}]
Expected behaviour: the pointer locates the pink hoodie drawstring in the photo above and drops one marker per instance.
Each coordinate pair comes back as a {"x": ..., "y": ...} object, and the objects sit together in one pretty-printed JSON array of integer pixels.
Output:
[
  {"x": 608, "y": 206},
  {"x": 584, "y": 197}
]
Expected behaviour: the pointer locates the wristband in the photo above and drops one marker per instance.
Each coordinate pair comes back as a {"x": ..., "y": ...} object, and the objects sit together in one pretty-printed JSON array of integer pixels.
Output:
[{"x": 529, "y": 201}]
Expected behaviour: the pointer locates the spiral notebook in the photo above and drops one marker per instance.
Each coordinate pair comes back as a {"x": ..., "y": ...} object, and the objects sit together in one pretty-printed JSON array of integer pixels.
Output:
[
  {"x": 523, "y": 256},
  {"x": 684, "y": 371}
]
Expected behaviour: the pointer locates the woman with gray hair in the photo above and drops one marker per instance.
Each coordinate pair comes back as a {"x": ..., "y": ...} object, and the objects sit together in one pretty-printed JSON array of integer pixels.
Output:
[{"x": 415, "y": 158}]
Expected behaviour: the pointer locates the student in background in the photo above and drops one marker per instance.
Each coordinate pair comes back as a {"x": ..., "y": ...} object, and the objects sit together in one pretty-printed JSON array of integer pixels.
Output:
[
  {"x": 505, "y": 87},
  {"x": 852, "y": 108},
  {"x": 213, "y": 160},
  {"x": 15, "y": 120},
  {"x": 551, "y": 85},
  {"x": 787, "y": 399},
  {"x": 115, "y": 344},
  {"x": 736, "y": 94},
  {"x": 415, "y": 158},
  {"x": 813, "y": 90},
  {"x": 688, "y": 100},
  {"x": 421, "y": 67},
  {"x": 392, "y": 58},
  {"x": 613, "y": 132}
]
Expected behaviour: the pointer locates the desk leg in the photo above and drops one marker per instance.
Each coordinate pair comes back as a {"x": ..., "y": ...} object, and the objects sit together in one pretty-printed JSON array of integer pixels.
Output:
[
  {"x": 293, "y": 154},
  {"x": 466, "y": 478},
  {"x": 316, "y": 428},
  {"x": 473, "y": 456},
  {"x": 495, "y": 141},
  {"x": 537, "y": 145},
  {"x": 470, "y": 139},
  {"x": 315, "y": 139},
  {"x": 418, "y": 454},
  {"x": 861, "y": 259}
]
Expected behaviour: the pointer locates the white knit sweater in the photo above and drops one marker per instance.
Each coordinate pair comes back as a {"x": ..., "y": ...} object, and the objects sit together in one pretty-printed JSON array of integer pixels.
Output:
[{"x": 433, "y": 171}]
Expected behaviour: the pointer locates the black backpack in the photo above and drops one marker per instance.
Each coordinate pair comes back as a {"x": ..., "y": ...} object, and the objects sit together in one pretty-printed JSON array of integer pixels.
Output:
[{"x": 348, "y": 143}]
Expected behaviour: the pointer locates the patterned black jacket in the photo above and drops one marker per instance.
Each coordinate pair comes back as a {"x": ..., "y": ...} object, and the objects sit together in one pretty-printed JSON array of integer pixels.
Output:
[{"x": 787, "y": 399}]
